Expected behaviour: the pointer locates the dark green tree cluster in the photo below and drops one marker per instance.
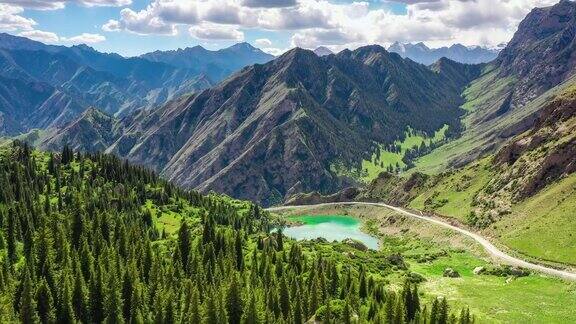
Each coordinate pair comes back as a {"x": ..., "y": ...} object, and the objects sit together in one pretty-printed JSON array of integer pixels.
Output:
[{"x": 78, "y": 243}]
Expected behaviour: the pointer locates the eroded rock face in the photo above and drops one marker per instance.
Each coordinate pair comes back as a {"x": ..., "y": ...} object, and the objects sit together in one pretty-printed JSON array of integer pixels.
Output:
[
  {"x": 348, "y": 194},
  {"x": 550, "y": 144},
  {"x": 541, "y": 53}
]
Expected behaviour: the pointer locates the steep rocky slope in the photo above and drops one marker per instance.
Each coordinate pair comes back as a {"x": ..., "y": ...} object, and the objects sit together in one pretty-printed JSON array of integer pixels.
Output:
[
  {"x": 274, "y": 130},
  {"x": 505, "y": 101},
  {"x": 92, "y": 131}
]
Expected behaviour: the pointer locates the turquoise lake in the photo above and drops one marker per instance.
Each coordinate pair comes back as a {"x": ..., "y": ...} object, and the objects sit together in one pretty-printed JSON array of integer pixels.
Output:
[{"x": 330, "y": 227}]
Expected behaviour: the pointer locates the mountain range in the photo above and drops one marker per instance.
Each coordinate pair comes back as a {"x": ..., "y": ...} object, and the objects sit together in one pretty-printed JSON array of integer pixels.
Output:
[
  {"x": 305, "y": 122},
  {"x": 280, "y": 128},
  {"x": 44, "y": 86},
  {"x": 421, "y": 53},
  {"x": 216, "y": 65}
]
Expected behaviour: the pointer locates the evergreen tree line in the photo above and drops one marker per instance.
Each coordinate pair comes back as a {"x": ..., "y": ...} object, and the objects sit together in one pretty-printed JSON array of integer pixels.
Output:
[{"x": 79, "y": 243}]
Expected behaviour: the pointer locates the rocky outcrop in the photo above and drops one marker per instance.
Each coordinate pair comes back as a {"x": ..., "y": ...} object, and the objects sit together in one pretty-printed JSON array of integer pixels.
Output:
[
  {"x": 551, "y": 144},
  {"x": 450, "y": 273},
  {"x": 542, "y": 53}
]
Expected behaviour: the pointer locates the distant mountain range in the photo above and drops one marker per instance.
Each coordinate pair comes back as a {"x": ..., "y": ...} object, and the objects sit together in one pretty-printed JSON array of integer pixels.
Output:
[
  {"x": 44, "y": 86},
  {"x": 217, "y": 65},
  {"x": 423, "y": 54}
]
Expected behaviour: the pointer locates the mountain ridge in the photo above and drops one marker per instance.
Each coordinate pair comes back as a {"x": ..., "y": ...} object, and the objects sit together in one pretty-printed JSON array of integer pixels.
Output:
[{"x": 276, "y": 129}]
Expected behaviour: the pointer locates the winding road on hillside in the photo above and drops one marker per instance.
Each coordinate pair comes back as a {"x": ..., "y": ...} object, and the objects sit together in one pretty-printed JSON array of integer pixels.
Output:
[{"x": 489, "y": 247}]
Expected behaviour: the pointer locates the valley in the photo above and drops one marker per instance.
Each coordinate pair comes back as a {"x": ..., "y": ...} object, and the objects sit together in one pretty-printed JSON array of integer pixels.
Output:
[
  {"x": 429, "y": 249},
  {"x": 200, "y": 179}
]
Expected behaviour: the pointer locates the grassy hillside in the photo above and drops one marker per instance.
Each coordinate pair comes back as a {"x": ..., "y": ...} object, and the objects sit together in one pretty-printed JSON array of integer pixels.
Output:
[
  {"x": 543, "y": 225},
  {"x": 453, "y": 192},
  {"x": 523, "y": 195},
  {"x": 429, "y": 249},
  {"x": 485, "y": 131},
  {"x": 388, "y": 160}
]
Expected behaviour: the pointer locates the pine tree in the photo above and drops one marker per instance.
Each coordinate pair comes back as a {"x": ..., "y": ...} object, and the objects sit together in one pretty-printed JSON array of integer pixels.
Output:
[
  {"x": 211, "y": 315},
  {"x": 234, "y": 302},
  {"x": 284, "y": 298},
  {"x": 239, "y": 252},
  {"x": 97, "y": 296},
  {"x": 184, "y": 243},
  {"x": 113, "y": 301},
  {"x": 45, "y": 303},
  {"x": 363, "y": 289},
  {"x": 434, "y": 316},
  {"x": 279, "y": 239},
  {"x": 65, "y": 311},
  {"x": 443, "y": 312},
  {"x": 194, "y": 308},
  {"x": 12, "y": 254},
  {"x": 28, "y": 312},
  {"x": 252, "y": 314},
  {"x": 298, "y": 317}
]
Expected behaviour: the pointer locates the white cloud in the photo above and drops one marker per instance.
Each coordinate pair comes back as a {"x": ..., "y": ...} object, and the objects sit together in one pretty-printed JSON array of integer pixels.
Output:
[
  {"x": 40, "y": 36},
  {"x": 313, "y": 38},
  {"x": 60, "y": 4},
  {"x": 104, "y": 3},
  {"x": 263, "y": 42},
  {"x": 334, "y": 23},
  {"x": 84, "y": 38},
  {"x": 269, "y": 3},
  {"x": 216, "y": 32},
  {"x": 144, "y": 22},
  {"x": 11, "y": 20},
  {"x": 275, "y": 51}
]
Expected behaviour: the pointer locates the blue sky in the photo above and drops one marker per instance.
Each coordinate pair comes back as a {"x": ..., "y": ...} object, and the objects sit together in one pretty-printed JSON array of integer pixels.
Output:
[{"x": 133, "y": 27}]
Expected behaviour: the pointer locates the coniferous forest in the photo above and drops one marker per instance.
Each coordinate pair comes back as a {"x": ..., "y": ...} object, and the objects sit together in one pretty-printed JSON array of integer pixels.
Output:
[{"x": 80, "y": 241}]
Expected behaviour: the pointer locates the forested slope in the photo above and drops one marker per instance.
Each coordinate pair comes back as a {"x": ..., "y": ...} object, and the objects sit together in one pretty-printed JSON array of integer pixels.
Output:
[{"x": 90, "y": 238}]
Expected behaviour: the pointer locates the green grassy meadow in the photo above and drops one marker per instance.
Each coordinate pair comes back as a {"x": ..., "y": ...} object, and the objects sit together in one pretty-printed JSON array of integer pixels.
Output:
[
  {"x": 453, "y": 195},
  {"x": 532, "y": 299},
  {"x": 383, "y": 159}
]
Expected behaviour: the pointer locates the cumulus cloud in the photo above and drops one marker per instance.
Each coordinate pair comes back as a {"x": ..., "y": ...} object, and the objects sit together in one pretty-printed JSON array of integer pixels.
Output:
[
  {"x": 275, "y": 51},
  {"x": 334, "y": 23},
  {"x": 60, "y": 4},
  {"x": 263, "y": 42},
  {"x": 214, "y": 32},
  {"x": 11, "y": 20},
  {"x": 84, "y": 38},
  {"x": 40, "y": 36},
  {"x": 313, "y": 38},
  {"x": 36, "y": 4},
  {"x": 52, "y": 38},
  {"x": 269, "y": 3},
  {"x": 149, "y": 21}
]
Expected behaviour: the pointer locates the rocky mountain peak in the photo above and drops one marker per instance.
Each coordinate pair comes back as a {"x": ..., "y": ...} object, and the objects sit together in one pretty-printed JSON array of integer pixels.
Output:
[{"x": 542, "y": 52}]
